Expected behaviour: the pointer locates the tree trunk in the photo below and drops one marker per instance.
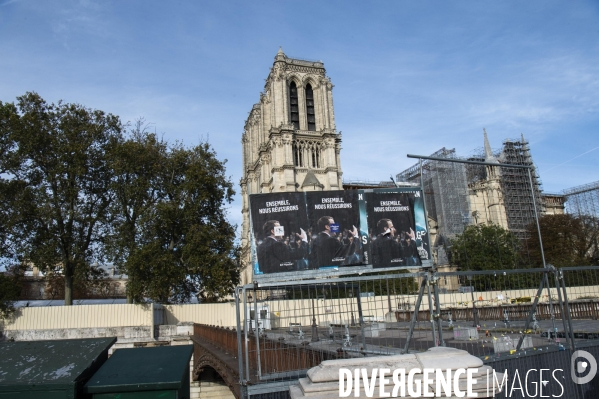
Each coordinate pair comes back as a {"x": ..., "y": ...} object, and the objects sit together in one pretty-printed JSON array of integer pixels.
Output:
[
  {"x": 68, "y": 287},
  {"x": 129, "y": 298}
]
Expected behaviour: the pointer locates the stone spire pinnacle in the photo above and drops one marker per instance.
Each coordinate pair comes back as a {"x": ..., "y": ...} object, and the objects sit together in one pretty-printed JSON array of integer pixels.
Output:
[
  {"x": 280, "y": 55},
  {"x": 489, "y": 157}
]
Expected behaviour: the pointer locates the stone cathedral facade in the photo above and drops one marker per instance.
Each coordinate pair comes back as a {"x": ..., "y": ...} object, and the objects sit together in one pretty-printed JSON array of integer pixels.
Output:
[{"x": 290, "y": 142}]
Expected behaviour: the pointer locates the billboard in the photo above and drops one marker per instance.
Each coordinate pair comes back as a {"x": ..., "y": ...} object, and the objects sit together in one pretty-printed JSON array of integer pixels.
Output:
[{"x": 302, "y": 233}]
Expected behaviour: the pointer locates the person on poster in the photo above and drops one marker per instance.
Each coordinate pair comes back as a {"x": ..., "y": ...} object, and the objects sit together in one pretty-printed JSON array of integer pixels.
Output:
[
  {"x": 274, "y": 255},
  {"x": 386, "y": 250},
  {"x": 410, "y": 249},
  {"x": 328, "y": 250}
]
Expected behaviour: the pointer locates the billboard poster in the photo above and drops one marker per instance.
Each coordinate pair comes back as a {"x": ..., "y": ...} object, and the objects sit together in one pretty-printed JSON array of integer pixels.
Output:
[
  {"x": 279, "y": 227},
  {"x": 396, "y": 239},
  {"x": 334, "y": 229}
]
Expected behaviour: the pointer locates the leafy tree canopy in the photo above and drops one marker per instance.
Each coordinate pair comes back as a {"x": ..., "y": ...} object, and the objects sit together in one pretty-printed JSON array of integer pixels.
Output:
[
  {"x": 10, "y": 288},
  {"x": 74, "y": 189},
  {"x": 568, "y": 240},
  {"x": 56, "y": 182},
  {"x": 485, "y": 247},
  {"x": 186, "y": 246}
]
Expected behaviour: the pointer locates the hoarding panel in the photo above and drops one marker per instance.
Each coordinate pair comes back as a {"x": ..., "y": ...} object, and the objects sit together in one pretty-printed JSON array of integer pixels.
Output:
[
  {"x": 391, "y": 225},
  {"x": 279, "y": 227},
  {"x": 334, "y": 229},
  {"x": 311, "y": 234}
]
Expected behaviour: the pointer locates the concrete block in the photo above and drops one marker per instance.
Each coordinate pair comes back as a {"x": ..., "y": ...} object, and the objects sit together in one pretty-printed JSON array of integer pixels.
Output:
[
  {"x": 184, "y": 328},
  {"x": 506, "y": 345},
  {"x": 465, "y": 333},
  {"x": 167, "y": 330},
  {"x": 137, "y": 332}
]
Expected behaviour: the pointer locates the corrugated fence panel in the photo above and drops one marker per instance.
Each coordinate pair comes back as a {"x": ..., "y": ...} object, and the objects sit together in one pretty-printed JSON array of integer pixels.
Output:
[
  {"x": 79, "y": 316},
  {"x": 216, "y": 314},
  {"x": 223, "y": 314}
]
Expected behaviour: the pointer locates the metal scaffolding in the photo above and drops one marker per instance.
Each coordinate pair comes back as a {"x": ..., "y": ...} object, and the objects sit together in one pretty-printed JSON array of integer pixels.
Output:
[
  {"x": 517, "y": 193},
  {"x": 446, "y": 191},
  {"x": 447, "y": 187},
  {"x": 583, "y": 200}
]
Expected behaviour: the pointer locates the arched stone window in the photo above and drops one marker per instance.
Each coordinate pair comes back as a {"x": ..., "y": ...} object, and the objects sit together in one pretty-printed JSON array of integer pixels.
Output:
[
  {"x": 294, "y": 106},
  {"x": 307, "y": 153},
  {"x": 298, "y": 158},
  {"x": 311, "y": 117},
  {"x": 315, "y": 152}
]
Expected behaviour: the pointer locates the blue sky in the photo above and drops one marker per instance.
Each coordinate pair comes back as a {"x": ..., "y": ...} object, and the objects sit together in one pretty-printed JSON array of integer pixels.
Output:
[{"x": 409, "y": 76}]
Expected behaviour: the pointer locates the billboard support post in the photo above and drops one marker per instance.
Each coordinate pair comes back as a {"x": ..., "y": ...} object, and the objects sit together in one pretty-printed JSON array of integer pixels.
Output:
[
  {"x": 361, "y": 316},
  {"x": 314, "y": 326},
  {"x": 435, "y": 282},
  {"x": 415, "y": 315},
  {"x": 430, "y": 308}
]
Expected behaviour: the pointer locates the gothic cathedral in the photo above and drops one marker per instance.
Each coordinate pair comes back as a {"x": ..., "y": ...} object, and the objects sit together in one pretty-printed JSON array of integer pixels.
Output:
[{"x": 289, "y": 140}]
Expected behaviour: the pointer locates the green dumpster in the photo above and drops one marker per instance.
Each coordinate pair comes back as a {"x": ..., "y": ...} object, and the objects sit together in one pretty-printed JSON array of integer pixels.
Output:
[
  {"x": 50, "y": 369},
  {"x": 149, "y": 373}
]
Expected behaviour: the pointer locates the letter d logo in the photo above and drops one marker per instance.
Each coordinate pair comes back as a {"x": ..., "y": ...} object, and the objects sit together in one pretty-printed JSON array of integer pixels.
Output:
[{"x": 581, "y": 366}]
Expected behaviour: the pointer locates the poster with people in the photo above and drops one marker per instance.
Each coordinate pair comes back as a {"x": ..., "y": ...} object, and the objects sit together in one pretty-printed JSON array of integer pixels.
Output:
[
  {"x": 303, "y": 232},
  {"x": 279, "y": 227},
  {"x": 395, "y": 238},
  {"x": 334, "y": 229}
]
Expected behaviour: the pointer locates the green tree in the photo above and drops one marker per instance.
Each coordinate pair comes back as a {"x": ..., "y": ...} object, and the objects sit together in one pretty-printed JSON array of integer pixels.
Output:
[
  {"x": 185, "y": 245},
  {"x": 488, "y": 247},
  {"x": 10, "y": 289},
  {"x": 137, "y": 164},
  {"x": 568, "y": 240},
  {"x": 56, "y": 182}
]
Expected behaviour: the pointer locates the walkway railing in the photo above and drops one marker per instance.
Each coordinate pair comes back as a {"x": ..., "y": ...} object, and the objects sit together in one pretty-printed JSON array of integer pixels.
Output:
[{"x": 284, "y": 329}]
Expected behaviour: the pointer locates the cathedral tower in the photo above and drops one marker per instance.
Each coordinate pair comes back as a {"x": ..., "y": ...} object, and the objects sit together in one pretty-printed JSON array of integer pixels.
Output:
[{"x": 289, "y": 140}]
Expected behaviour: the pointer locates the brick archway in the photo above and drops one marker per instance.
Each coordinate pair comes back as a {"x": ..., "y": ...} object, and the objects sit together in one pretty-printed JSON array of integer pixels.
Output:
[{"x": 204, "y": 358}]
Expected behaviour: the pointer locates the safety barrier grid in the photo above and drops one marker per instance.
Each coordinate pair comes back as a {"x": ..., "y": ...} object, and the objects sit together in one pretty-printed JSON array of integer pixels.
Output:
[{"x": 493, "y": 314}]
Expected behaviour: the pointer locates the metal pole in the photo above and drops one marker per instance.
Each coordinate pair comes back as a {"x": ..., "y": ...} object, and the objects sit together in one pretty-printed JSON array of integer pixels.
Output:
[
  {"x": 438, "y": 309},
  {"x": 257, "y": 331},
  {"x": 430, "y": 309},
  {"x": 314, "y": 326},
  {"x": 534, "y": 205},
  {"x": 425, "y": 213},
  {"x": 389, "y": 296},
  {"x": 415, "y": 315},
  {"x": 571, "y": 332},
  {"x": 507, "y": 165},
  {"x": 239, "y": 347},
  {"x": 351, "y": 304},
  {"x": 246, "y": 327},
  {"x": 561, "y": 305},
  {"x": 532, "y": 310},
  {"x": 551, "y": 311},
  {"x": 474, "y": 310},
  {"x": 361, "y": 316}
]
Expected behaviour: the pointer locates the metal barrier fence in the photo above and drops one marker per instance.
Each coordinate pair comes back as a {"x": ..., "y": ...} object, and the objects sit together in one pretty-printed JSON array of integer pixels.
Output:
[{"x": 285, "y": 329}]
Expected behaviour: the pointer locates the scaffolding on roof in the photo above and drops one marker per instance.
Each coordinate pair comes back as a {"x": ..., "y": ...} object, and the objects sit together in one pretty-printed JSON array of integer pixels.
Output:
[
  {"x": 583, "y": 200},
  {"x": 517, "y": 193},
  {"x": 447, "y": 184},
  {"x": 445, "y": 191}
]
